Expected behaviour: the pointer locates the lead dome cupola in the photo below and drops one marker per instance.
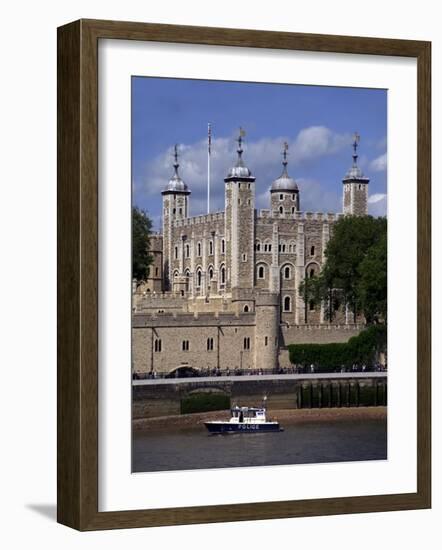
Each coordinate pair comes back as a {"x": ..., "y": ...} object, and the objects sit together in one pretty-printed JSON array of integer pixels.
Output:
[
  {"x": 176, "y": 184},
  {"x": 354, "y": 173},
  {"x": 240, "y": 170},
  {"x": 284, "y": 182}
]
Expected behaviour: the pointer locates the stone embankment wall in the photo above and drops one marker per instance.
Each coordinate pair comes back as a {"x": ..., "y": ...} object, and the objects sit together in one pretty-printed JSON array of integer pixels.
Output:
[{"x": 292, "y": 392}]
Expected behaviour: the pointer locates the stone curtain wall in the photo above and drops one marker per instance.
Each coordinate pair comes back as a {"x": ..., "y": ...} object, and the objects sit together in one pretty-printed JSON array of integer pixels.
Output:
[
  {"x": 228, "y": 336},
  {"x": 228, "y": 332}
]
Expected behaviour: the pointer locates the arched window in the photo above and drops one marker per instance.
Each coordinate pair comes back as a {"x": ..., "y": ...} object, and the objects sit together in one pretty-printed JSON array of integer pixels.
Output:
[
  {"x": 198, "y": 278},
  {"x": 287, "y": 273},
  {"x": 210, "y": 248},
  {"x": 281, "y": 210},
  {"x": 210, "y": 273},
  {"x": 175, "y": 274},
  {"x": 312, "y": 272},
  {"x": 312, "y": 251},
  {"x": 246, "y": 309},
  {"x": 258, "y": 246},
  {"x": 261, "y": 272},
  {"x": 287, "y": 303},
  {"x": 198, "y": 249},
  {"x": 223, "y": 275}
]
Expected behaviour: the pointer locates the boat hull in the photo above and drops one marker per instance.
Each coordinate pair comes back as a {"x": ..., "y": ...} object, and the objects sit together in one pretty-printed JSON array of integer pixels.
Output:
[{"x": 230, "y": 427}]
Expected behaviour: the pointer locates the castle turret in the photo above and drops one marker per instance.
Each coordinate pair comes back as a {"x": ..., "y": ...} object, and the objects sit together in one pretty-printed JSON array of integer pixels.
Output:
[
  {"x": 284, "y": 193},
  {"x": 267, "y": 330},
  {"x": 175, "y": 207},
  {"x": 240, "y": 221},
  {"x": 355, "y": 190}
]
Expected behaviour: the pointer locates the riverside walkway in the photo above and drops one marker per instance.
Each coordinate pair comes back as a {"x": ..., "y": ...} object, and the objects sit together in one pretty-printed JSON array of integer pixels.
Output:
[{"x": 261, "y": 377}]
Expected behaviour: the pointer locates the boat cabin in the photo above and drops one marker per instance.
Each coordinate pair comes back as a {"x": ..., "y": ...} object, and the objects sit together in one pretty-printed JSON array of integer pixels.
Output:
[{"x": 251, "y": 415}]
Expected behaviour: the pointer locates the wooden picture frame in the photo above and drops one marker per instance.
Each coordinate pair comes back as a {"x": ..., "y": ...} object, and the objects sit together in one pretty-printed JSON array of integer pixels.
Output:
[{"x": 78, "y": 274}]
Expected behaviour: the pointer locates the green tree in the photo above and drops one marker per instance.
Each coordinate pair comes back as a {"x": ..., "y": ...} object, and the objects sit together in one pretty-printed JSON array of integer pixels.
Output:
[
  {"x": 351, "y": 240},
  {"x": 372, "y": 285},
  {"x": 352, "y": 254},
  {"x": 141, "y": 230}
]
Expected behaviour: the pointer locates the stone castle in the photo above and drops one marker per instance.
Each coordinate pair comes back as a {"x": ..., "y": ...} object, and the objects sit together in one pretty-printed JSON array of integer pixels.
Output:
[{"x": 222, "y": 291}]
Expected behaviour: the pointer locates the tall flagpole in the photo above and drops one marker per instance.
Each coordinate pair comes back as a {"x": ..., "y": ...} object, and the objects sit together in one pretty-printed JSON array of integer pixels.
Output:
[{"x": 209, "y": 145}]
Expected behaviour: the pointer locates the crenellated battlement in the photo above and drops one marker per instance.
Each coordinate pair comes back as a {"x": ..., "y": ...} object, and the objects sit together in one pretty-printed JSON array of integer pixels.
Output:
[
  {"x": 199, "y": 220},
  {"x": 155, "y": 297},
  {"x": 350, "y": 327},
  {"x": 266, "y": 216},
  {"x": 173, "y": 319},
  {"x": 318, "y": 216},
  {"x": 160, "y": 301}
]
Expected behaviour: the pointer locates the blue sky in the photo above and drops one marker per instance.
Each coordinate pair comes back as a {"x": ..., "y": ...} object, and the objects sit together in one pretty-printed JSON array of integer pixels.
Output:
[{"x": 317, "y": 122}]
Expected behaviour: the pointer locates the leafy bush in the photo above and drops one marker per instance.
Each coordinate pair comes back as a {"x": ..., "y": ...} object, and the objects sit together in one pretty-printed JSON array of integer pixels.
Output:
[
  {"x": 203, "y": 402},
  {"x": 361, "y": 349}
]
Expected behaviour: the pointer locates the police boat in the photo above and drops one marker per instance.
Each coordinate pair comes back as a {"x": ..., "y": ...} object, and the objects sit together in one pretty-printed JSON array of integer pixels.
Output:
[{"x": 244, "y": 420}]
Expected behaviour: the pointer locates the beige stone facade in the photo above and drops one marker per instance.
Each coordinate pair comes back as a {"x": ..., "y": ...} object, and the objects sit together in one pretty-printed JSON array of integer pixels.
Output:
[{"x": 223, "y": 287}]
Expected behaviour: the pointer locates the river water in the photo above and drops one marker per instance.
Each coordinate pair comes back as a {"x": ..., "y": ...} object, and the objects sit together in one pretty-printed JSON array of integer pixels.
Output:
[{"x": 301, "y": 443}]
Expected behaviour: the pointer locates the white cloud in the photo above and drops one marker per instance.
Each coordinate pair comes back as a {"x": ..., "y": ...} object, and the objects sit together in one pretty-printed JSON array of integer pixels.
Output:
[
  {"x": 376, "y": 197},
  {"x": 317, "y": 141},
  {"x": 377, "y": 204},
  {"x": 379, "y": 164}
]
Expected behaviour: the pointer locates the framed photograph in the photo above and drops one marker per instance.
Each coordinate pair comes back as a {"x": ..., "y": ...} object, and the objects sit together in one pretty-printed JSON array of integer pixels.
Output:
[{"x": 243, "y": 275}]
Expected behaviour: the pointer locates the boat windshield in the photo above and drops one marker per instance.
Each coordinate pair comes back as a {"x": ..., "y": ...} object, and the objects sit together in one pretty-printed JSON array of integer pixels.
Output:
[{"x": 246, "y": 412}]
